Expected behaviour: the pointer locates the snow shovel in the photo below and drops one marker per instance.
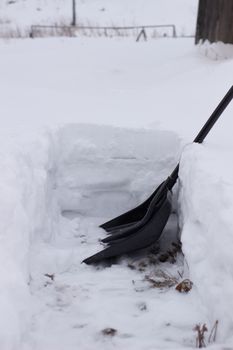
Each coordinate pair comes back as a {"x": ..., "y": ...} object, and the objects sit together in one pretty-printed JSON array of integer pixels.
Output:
[{"x": 143, "y": 225}]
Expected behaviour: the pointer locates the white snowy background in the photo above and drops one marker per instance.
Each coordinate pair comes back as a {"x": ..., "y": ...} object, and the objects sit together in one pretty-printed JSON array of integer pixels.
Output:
[{"x": 89, "y": 127}]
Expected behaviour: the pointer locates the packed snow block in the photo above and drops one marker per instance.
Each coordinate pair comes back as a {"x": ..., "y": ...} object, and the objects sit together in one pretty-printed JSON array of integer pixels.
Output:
[
  {"x": 206, "y": 207},
  {"x": 102, "y": 170}
]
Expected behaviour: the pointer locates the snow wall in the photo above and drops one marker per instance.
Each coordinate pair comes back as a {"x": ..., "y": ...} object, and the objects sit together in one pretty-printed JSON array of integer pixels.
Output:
[
  {"x": 102, "y": 171},
  {"x": 91, "y": 170},
  {"x": 25, "y": 203},
  {"x": 206, "y": 214}
]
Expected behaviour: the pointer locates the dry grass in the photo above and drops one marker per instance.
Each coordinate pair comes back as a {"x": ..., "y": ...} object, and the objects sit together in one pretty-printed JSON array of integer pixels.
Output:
[
  {"x": 87, "y": 29},
  {"x": 201, "y": 333},
  {"x": 161, "y": 280},
  {"x": 213, "y": 333},
  {"x": 64, "y": 30},
  {"x": 200, "y": 337},
  {"x": 8, "y": 32}
]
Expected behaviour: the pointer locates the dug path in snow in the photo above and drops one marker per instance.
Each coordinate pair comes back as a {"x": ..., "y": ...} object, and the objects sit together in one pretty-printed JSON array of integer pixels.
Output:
[
  {"x": 129, "y": 305},
  {"x": 74, "y": 305},
  {"x": 55, "y": 190}
]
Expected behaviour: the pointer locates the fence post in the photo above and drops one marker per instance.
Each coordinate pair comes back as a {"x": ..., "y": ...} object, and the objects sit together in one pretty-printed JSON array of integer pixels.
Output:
[{"x": 73, "y": 23}]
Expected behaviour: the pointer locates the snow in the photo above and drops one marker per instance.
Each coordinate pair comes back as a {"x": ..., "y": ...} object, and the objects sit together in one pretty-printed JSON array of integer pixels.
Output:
[
  {"x": 216, "y": 51},
  {"x": 129, "y": 84},
  {"x": 23, "y": 211},
  {"x": 206, "y": 173},
  {"x": 122, "y": 165},
  {"x": 88, "y": 128},
  {"x": 19, "y": 15}
]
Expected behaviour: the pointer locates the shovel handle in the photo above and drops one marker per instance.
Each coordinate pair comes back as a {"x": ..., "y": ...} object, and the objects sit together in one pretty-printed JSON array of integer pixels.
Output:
[
  {"x": 214, "y": 116},
  {"x": 204, "y": 132}
]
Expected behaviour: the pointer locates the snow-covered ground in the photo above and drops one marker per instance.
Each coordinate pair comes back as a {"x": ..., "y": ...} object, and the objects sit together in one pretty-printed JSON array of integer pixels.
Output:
[
  {"x": 21, "y": 14},
  {"x": 88, "y": 128}
]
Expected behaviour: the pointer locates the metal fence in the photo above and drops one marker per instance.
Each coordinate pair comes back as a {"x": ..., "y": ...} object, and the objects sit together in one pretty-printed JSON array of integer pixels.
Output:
[{"x": 139, "y": 32}]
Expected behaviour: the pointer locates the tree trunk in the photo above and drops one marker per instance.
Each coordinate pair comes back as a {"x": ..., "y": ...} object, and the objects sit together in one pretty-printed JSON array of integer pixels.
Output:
[{"x": 215, "y": 21}]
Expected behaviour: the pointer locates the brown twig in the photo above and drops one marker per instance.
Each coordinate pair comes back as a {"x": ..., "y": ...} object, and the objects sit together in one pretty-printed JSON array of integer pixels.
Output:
[
  {"x": 213, "y": 333},
  {"x": 200, "y": 339}
]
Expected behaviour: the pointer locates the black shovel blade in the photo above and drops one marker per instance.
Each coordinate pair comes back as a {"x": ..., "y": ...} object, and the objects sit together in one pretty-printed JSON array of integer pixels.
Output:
[
  {"x": 125, "y": 231},
  {"x": 142, "y": 237},
  {"x": 124, "y": 221}
]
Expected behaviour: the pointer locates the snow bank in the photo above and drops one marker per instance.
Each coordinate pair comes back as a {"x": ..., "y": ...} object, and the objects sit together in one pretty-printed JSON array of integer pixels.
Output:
[
  {"x": 25, "y": 192},
  {"x": 216, "y": 51},
  {"x": 206, "y": 193}
]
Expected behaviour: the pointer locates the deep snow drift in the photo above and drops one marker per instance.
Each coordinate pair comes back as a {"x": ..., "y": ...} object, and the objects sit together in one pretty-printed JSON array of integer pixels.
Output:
[{"x": 60, "y": 182}]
